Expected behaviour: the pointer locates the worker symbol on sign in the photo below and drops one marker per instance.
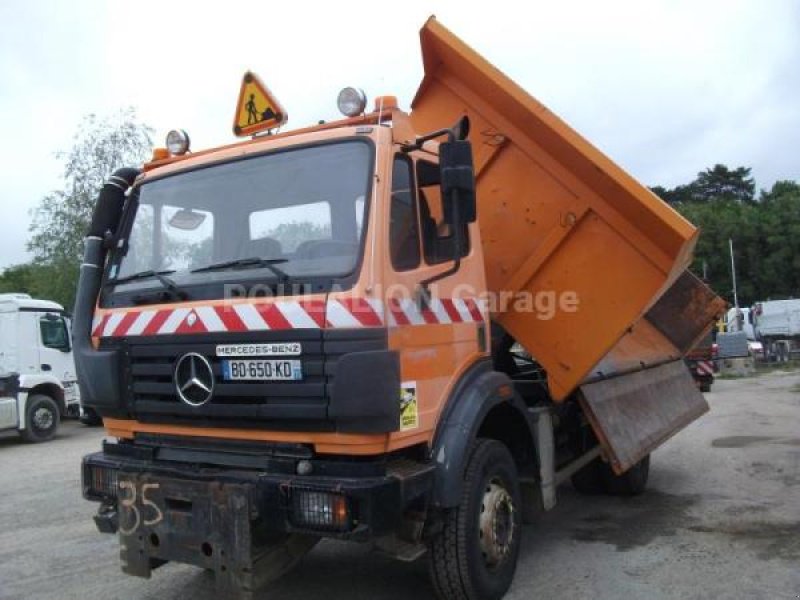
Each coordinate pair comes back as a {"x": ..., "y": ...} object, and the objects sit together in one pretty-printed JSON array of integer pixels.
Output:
[
  {"x": 253, "y": 116},
  {"x": 257, "y": 109},
  {"x": 252, "y": 113}
]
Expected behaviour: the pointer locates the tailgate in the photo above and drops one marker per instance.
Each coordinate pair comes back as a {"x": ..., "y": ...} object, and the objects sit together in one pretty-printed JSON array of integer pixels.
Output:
[{"x": 633, "y": 414}]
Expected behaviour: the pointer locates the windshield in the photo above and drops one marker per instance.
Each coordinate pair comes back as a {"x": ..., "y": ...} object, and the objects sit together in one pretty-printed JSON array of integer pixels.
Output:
[{"x": 301, "y": 209}]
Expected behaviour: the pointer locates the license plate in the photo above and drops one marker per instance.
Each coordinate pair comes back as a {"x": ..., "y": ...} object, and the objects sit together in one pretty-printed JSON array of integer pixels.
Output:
[{"x": 266, "y": 369}]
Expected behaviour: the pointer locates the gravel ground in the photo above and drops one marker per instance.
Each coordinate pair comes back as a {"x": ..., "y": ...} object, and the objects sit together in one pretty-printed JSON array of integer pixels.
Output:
[{"x": 721, "y": 519}]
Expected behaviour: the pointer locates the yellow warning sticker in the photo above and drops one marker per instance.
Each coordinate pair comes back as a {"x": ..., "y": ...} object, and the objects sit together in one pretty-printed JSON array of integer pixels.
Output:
[
  {"x": 257, "y": 109},
  {"x": 409, "y": 408}
]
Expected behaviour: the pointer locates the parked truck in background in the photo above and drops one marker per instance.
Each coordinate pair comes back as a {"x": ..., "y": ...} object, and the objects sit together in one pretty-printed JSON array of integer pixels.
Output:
[
  {"x": 776, "y": 324},
  {"x": 314, "y": 334},
  {"x": 35, "y": 346}
]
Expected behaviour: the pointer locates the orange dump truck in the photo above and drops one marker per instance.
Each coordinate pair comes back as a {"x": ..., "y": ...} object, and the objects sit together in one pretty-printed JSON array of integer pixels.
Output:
[{"x": 398, "y": 328}]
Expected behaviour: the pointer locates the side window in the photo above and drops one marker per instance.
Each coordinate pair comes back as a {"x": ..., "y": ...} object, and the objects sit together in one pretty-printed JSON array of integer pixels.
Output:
[
  {"x": 54, "y": 333},
  {"x": 403, "y": 230},
  {"x": 437, "y": 236}
]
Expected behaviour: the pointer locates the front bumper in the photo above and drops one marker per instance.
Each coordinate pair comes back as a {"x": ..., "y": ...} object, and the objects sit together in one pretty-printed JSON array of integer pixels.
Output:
[
  {"x": 175, "y": 500},
  {"x": 245, "y": 525}
]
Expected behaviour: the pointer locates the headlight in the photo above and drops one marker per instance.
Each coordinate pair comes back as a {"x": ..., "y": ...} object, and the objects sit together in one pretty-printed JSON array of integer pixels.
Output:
[
  {"x": 351, "y": 101},
  {"x": 178, "y": 142}
]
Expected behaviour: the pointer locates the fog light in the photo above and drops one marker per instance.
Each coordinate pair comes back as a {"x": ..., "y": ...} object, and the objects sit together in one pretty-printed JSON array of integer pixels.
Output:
[
  {"x": 100, "y": 483},
  {"x": 323, "y": 511}
]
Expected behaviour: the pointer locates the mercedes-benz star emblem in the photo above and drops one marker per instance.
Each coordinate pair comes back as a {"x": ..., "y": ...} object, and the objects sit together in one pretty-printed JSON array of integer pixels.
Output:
[{"x": 194, "y": 379}]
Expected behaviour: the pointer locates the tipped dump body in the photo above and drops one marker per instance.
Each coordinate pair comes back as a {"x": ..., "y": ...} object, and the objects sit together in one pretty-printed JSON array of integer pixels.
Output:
[{"x": 559, "y": 222}]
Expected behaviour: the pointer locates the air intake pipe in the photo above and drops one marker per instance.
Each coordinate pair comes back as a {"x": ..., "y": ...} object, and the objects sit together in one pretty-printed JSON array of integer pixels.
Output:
[{"x": 99, "y": 373}]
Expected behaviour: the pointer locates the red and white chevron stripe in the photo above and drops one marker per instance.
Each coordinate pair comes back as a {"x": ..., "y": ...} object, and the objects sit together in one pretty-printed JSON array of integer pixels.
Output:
[
  {"x": 704, "y": 367},
  {"x": 406, "y": 311},
  {"x": 348, "y": 312}
]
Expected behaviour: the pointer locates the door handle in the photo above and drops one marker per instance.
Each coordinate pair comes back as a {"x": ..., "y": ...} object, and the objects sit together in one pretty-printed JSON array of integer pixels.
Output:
[{"x": 46, "y": 367}]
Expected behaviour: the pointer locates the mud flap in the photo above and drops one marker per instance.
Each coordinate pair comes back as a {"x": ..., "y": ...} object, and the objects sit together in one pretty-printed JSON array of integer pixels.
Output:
[{"x": 633, "y": 414}]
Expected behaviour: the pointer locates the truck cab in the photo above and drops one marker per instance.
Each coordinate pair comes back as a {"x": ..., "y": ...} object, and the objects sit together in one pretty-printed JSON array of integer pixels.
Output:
[{"x": 35, "y": 344}]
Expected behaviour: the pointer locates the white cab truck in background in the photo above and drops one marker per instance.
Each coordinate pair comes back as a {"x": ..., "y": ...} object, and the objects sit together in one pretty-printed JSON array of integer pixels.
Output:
[{"x": 37, "y": 365}]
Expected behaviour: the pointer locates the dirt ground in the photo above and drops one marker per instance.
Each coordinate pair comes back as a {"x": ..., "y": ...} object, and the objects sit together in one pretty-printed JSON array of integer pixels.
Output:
[{"x": 721, "y": 519}]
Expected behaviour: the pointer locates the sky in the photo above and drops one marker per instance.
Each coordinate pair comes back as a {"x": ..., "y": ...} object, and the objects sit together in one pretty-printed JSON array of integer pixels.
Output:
[{"x": 666, "y": 88}]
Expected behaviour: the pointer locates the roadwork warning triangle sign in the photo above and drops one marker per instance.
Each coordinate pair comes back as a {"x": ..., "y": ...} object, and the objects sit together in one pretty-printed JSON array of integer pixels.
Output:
[{"x": 257, "y": 109}]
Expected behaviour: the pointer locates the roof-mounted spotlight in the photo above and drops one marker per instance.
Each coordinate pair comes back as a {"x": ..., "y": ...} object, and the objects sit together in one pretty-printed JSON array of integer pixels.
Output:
[
  {"x": 351, "y": 101},
  {"x": 178, "y": 142}
]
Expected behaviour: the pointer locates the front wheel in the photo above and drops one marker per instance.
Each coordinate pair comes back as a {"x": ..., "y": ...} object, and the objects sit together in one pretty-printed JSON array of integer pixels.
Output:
[
  {"x": 89, "y": 417},
  {"x": 475, "y": 555},
  {"x": 41, "y": 419}
]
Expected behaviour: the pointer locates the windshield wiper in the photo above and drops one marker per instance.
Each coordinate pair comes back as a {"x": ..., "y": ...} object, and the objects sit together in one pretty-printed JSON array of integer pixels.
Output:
[
  {"x": 253, "y": 262},
  {"x": 160, "y": 276}
]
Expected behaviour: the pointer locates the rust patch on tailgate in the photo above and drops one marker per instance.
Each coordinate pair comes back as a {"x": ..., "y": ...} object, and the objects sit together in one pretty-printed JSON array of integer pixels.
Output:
[
  {"x": 686, "y": 312},
  {"x": 633, "y": 414}
]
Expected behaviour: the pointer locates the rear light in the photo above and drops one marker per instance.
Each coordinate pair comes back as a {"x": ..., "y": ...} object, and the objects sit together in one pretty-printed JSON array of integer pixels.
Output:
[
  {"x": 100, "y": 482},
  {"x": 319, "y": 510}
]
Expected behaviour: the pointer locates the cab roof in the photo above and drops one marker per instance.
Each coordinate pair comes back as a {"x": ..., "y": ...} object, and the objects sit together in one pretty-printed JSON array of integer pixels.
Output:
[{"x": 24, "y": 301}]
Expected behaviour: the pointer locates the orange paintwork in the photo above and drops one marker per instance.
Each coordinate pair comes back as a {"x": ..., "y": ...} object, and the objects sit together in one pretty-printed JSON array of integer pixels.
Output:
[
  {"x": 556, "y": 215},
  {"x": 259, "y": 142},
  {"x": 432, "y": 355}
]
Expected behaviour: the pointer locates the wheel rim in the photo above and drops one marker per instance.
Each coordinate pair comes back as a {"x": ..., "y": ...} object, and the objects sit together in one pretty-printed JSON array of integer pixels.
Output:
[
  {"x": 43, "y": 418},
  {"x": 496, "y": 523}
]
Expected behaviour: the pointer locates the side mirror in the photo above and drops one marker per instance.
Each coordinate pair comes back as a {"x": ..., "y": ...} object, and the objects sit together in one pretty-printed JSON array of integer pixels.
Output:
[{"x": 458, "y": 181}]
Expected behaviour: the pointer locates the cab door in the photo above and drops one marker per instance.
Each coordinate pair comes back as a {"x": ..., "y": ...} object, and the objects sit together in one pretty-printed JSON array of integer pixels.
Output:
[
  {"x": 55, "y": 350},
  {"x": 440, "y": 336},
  {"x": 8, "y": 401}
]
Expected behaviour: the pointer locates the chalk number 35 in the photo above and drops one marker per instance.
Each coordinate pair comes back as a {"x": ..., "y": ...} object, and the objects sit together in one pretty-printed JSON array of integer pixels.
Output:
[{"x": 133, "y": 513}]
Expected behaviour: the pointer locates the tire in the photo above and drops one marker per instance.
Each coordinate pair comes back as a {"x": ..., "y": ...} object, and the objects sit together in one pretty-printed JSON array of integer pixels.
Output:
[
  {"x": 41, "y": 419},
  {"x": 463, "y": 562},
  {"x": 705, "y": 386},
  {"x": 598, "y": 478},
  {"x": 589, "y": 479},
  {"x": 631, "y": 483},
  {"x": 90, "y": 418}
]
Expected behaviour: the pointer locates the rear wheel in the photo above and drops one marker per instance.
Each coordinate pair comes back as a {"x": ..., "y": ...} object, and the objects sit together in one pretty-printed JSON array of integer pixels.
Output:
[
  {"x": 589, "y": 479},
  {"x": 599, "y": 478},
  {"x": 475, "y": 555},
  {"x": 631, "y": 483},
  {"x": 41, "y": 419}
]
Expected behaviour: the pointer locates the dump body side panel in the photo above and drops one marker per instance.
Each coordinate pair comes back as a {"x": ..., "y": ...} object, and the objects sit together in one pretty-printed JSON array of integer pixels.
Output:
[{"x": 559, "y": 220}]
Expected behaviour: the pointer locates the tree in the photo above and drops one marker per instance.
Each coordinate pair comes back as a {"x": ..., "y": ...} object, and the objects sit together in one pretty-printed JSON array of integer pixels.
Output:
[
  {"x": 40, "y": 281},
  {"x": 721, "y": 183},
  {"x": 765, "y": 234},
  {"x": 712, "y": 185},
  {"x": 61, "y": 219},
  {"x": 779, "y": 241}
]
